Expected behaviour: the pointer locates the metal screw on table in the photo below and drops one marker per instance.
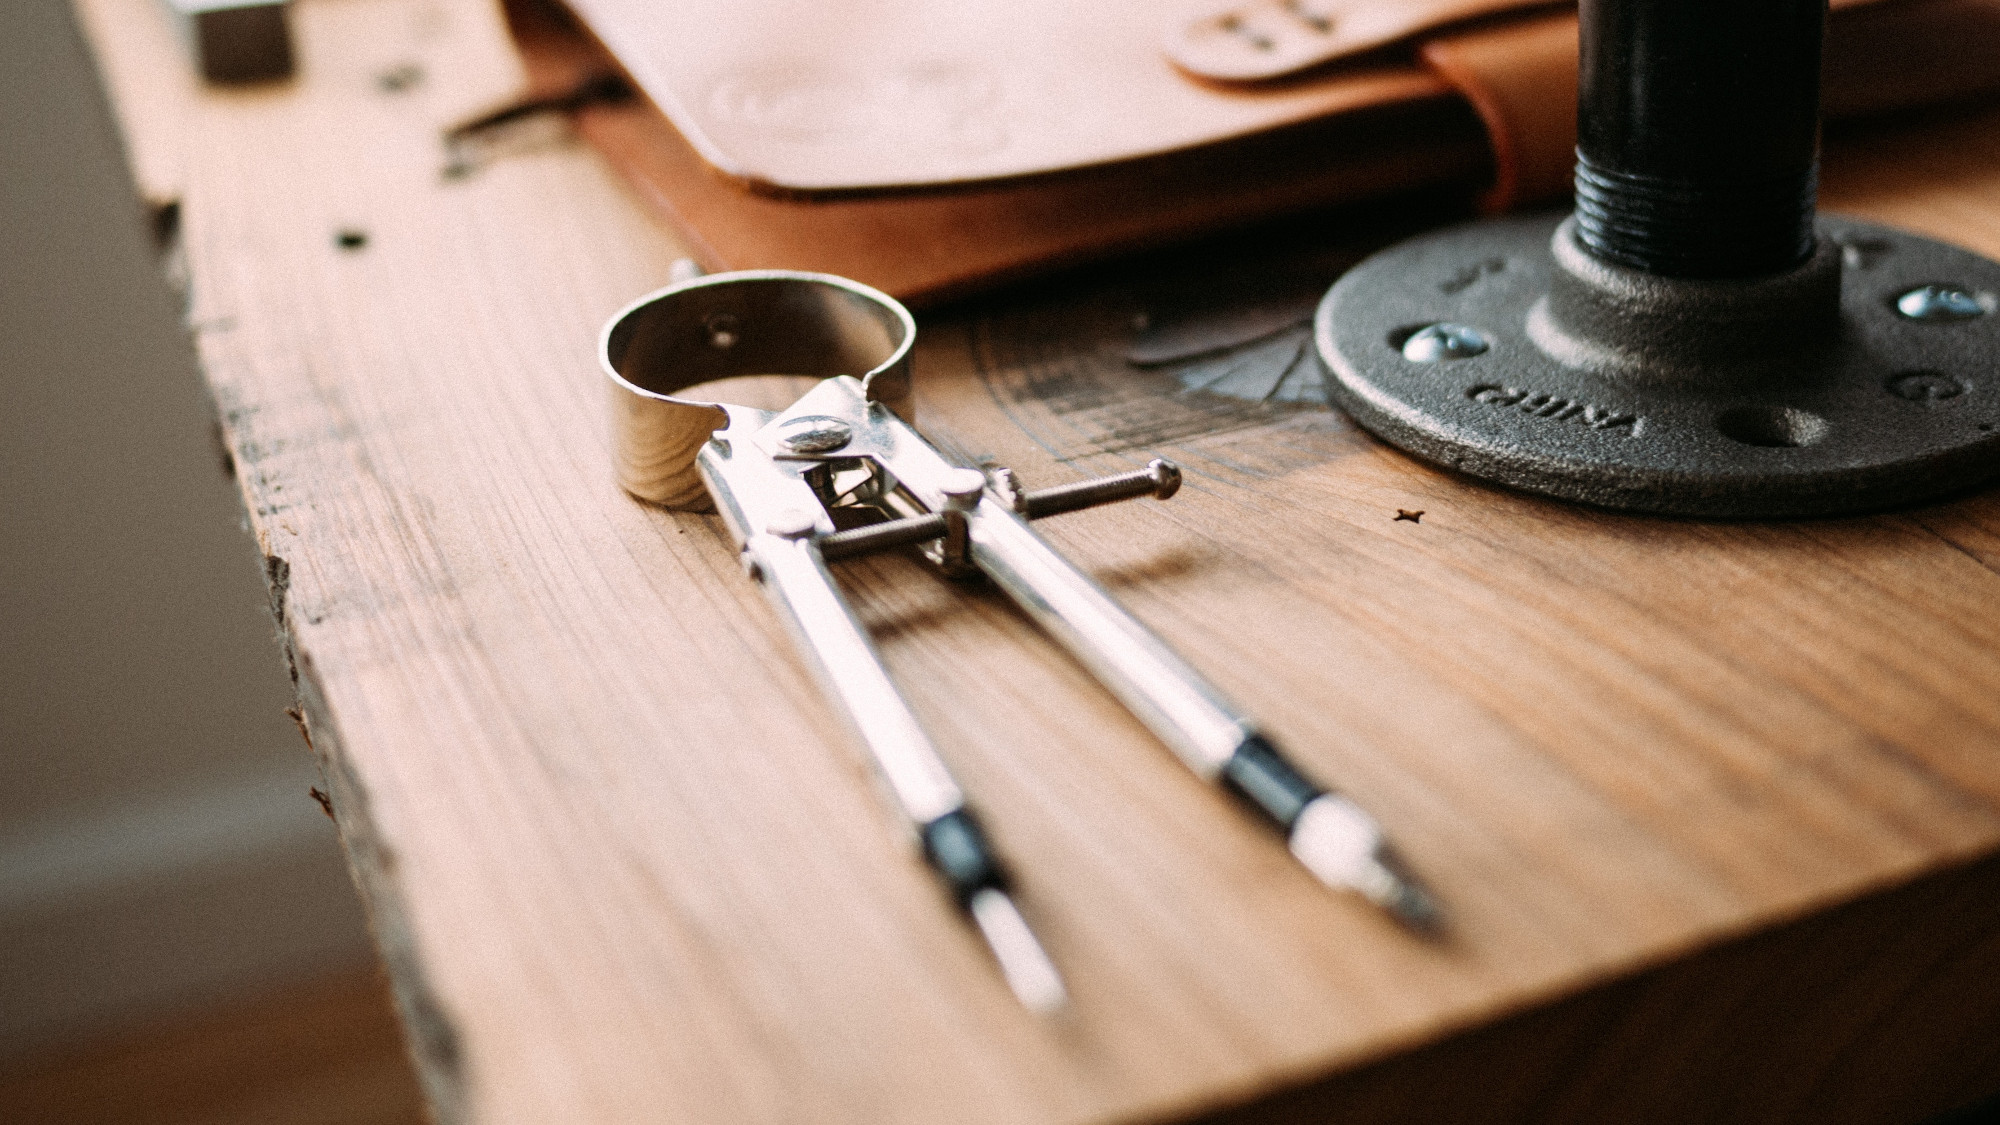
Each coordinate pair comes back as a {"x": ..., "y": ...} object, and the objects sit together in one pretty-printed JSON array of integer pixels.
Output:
[
  {"x": 1160, "y": 479},
  {"x": 1695, "y": 338}
]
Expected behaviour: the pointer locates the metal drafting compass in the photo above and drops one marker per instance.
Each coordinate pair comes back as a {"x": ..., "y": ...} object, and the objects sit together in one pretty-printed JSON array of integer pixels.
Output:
[
  {"x": 1694, "y": 339},
  {"x": 778, "y": 478}
]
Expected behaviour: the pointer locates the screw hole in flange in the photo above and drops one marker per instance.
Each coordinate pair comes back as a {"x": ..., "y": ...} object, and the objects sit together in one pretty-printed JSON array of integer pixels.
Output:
[
  {"x": 1928, "y": 387},
  {"x": 1774, "y": 427}
]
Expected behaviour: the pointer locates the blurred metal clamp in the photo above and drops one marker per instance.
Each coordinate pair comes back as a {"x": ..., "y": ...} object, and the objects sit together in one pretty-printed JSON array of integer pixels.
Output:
[{"x": 237, "y": 41}]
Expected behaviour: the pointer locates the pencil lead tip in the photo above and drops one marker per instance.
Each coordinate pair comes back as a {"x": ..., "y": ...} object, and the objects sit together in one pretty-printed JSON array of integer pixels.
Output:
[
  {"x": 1343, "y": 846},
  {"x": 1407, "y": 900}
]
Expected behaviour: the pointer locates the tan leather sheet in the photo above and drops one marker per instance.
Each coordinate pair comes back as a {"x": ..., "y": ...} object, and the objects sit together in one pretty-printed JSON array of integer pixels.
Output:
[
  {"x": 1492, "y": 102},
  {"x": 929, "y": 246},
  {"x": 804, "y": 95}
]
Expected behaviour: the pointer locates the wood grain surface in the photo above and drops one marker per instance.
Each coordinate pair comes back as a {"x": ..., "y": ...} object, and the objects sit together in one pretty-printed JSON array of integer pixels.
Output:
[{"x": 625, "y": 867}]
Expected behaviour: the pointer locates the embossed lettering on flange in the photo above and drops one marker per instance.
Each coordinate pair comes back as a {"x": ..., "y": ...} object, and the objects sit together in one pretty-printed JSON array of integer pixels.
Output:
[{"x": 1553, "y": 408}]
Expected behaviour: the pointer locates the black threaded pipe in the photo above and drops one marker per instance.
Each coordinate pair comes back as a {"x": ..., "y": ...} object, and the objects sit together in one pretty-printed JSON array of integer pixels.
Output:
[{"x": 1698, "y": 134}]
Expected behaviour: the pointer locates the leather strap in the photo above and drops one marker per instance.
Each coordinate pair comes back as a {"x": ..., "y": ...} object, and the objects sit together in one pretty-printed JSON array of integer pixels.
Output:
[{"x": 1521, "y": 80}]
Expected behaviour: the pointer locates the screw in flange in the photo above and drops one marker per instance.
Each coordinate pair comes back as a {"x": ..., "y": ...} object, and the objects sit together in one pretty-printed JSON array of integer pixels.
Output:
[
  {"x": 1434, "y": 343},
  {"x": 1943, "y": 303}
]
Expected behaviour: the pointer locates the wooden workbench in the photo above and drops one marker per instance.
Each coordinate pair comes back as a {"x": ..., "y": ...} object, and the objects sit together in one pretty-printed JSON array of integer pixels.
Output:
[{"x": 1715, "y": 808}]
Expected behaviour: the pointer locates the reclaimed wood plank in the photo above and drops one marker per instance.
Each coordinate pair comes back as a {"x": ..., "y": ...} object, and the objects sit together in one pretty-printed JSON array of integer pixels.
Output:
[{"x": 625, "y": 867}]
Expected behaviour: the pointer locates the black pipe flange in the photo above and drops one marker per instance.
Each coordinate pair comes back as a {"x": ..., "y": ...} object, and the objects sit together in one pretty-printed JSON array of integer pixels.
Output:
[{"x": 1693, "y": 339}]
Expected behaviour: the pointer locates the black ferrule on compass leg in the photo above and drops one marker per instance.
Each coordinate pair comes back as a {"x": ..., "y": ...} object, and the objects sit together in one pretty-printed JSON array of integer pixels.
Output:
[
  {"x": 1697, "y": 134},
  {"x": 1257, "y": 773},
  {"x": 956, "y": 848}
]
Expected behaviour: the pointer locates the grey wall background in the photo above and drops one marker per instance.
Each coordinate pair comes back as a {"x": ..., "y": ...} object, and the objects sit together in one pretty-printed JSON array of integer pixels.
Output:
[{"x": 158, "y": 845}]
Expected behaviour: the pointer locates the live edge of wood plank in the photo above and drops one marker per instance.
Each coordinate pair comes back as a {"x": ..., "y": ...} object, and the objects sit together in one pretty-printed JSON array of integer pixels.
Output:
[{"x": 1715, "y": 807}]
